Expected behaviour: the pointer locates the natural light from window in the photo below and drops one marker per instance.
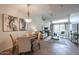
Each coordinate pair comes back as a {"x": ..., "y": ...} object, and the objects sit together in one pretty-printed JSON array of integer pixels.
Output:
[{"x": 60, "y": 21}]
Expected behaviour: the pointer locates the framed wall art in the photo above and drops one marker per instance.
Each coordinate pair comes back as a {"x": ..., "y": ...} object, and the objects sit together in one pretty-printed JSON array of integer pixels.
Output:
[
  {"x": 22, "y": 25},
  {"x": 10, "y": 23}
]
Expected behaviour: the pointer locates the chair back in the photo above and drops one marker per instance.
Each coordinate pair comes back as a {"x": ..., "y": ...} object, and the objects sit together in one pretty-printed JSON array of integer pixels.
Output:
[{"x": 14, "y": 43}]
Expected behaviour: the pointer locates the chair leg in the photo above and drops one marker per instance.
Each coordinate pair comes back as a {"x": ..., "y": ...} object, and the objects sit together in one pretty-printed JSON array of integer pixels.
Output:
[{"x": 39, "y": 45}]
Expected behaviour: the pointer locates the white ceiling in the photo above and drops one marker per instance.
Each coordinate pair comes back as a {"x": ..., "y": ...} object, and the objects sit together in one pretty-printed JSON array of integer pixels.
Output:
[{"x": 53, "y": 10}]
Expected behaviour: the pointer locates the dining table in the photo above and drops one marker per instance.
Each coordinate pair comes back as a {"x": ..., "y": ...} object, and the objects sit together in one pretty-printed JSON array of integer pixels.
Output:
[{"x": 25, "y": 43}]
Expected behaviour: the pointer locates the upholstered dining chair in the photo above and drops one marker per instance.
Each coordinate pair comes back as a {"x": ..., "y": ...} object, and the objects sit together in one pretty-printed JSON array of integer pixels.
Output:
[
  {"x": 15, "y": 46},
  {"x": 36, "y": 42},
  {"x": 39, "y": 38},
  {"x": 10, "y": 51}
]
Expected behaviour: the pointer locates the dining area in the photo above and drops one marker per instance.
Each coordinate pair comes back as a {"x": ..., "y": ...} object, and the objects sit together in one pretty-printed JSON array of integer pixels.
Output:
[{"x": 24, "y": 45}]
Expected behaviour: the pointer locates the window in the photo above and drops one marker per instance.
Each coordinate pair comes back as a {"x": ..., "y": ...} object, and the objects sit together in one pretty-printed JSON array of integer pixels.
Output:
[
  {"x": 58, "y": 28},
  {"x": 60, "y": 21}
]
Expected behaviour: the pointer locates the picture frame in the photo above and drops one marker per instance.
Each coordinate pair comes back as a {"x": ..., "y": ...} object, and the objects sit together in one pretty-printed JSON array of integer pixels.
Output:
[
  {"x": 22, "y": 25},
  {"x": 10, "y": 23}
]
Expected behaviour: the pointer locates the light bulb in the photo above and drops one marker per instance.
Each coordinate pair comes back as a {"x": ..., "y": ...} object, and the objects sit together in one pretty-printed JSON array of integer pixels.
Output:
[{"x": 28, "y": 20}]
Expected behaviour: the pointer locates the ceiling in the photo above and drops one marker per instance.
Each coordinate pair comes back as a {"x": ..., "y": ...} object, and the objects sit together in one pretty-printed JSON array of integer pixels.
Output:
[{"x": 52, "y": 10}]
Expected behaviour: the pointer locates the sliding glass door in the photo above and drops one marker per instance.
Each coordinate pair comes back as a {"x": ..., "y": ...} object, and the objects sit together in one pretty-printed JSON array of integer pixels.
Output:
[{"x": 59, "y": 29}]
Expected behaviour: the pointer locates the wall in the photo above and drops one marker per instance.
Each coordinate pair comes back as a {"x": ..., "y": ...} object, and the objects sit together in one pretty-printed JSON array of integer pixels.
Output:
[
  {"x": 37, "y": 22},
  {"x": 5, "y": 40},
  {"x": 74, "y": 19},
  {"x": 67, "y": 30}
]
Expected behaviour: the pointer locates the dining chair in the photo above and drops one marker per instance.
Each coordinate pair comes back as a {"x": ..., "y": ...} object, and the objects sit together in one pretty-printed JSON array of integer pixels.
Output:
[
  {"x": 15, "y": 46},
  {"x": 36, "y": 42},
  {"x": 10, "y": 51}
]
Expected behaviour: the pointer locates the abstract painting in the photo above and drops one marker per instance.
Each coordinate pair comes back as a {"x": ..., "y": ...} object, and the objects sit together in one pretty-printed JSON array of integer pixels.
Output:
[
  {"x": 10, "y": 23},
  {"x": 23, "y": 24}
]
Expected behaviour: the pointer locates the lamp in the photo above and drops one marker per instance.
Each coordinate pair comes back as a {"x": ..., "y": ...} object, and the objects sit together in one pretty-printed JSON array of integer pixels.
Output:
[{"x": 28, "y": 14}]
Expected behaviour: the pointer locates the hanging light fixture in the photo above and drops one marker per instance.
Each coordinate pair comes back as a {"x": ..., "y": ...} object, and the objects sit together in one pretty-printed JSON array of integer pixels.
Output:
[{"x": 28, "y": 15}]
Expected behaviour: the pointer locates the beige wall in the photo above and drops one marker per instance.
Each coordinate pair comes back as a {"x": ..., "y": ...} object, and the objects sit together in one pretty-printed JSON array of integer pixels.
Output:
[{"x": 5, "y": 40}]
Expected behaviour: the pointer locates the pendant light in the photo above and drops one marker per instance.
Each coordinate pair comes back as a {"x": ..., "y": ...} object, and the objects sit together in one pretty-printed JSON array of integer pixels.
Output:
[{"x": 28, "y": 15}]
